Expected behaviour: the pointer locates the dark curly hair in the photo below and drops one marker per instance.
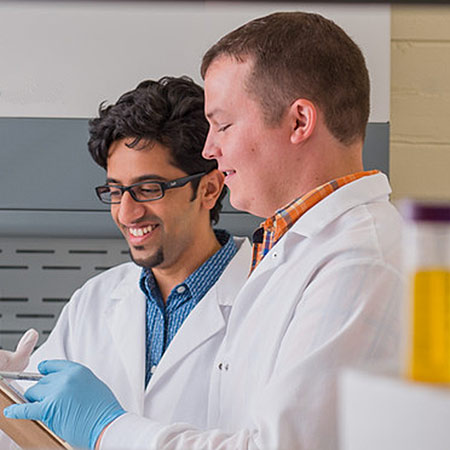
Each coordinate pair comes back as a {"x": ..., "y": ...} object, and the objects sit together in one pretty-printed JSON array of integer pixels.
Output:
[{"x": 169, "y": 111}]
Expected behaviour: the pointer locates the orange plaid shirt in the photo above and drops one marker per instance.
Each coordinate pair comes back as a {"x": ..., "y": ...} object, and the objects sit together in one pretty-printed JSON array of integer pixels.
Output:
[{"x": 270, "y": 232}]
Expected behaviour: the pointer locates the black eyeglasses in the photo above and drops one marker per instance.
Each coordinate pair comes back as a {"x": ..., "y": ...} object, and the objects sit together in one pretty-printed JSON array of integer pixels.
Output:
[{"x": 144, "y": 191}]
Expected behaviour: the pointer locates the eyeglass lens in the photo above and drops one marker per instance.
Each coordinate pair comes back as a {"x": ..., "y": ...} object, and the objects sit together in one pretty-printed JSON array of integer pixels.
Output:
[{"x": 142, "y": 192}]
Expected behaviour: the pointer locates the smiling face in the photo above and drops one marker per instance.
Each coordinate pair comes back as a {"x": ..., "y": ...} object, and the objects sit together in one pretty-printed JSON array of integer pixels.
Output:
[
  {"x": 162, "y": 233},
  {"x": 248, "y": 151}
]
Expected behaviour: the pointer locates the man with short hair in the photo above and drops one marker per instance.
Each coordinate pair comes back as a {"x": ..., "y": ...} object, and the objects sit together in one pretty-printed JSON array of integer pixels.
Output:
[{"x": 287, "y": 99}]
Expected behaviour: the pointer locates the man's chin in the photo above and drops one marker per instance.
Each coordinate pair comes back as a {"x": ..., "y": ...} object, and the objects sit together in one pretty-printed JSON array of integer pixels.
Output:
[{"x": 147, "y": 261}]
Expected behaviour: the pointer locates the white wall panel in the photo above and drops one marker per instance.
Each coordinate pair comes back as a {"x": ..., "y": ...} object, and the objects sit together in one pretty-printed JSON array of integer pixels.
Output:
[{"x": 61, "y": 59}]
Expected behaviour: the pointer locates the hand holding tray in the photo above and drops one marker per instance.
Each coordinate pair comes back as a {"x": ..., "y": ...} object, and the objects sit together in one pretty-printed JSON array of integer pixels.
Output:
[{"x": 25, "y": 433}]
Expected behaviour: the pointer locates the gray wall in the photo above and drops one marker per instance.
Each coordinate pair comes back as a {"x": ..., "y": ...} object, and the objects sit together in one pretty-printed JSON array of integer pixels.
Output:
[{"x": 47, "y": 179}]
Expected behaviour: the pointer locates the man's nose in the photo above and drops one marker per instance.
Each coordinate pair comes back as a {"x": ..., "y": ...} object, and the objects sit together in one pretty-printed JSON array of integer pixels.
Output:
[
  {"x": 130, "y": 211},
  {"x": 211, "y": 149}
]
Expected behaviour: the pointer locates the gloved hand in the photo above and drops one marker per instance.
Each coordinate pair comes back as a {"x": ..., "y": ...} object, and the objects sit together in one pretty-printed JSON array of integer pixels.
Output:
[
  {"x": 71, "y": 401},
  {"x": 18, "y": 360}
]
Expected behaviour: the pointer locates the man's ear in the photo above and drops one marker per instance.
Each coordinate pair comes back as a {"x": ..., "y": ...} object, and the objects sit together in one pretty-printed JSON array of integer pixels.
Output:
[
  {"x": 303, "y": 119},
  {"x": 210, "y": 188}
]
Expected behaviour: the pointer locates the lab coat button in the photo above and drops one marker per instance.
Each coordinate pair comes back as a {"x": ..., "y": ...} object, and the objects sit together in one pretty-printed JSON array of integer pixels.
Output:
[
  {"x": 275, "y": 255},
  {"x": 181, "y": 289},
  {"x": 153, "y": 370}
]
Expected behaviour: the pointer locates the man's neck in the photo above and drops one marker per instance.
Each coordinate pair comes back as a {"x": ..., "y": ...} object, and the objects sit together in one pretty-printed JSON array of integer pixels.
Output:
[
  {"x": 168, "y": 278},
  {"x": 317, "y": 168}
]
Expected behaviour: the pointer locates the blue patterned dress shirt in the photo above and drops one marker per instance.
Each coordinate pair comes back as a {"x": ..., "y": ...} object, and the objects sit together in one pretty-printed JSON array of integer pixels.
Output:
[{"x": 164, "y": 320}]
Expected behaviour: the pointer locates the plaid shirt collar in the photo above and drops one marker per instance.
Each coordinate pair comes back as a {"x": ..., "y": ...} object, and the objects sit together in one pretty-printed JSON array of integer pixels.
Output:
[{"x": 275, "y": 227}]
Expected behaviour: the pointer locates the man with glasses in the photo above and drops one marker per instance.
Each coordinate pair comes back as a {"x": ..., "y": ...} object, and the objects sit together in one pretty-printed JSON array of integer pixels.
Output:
[{"x": 149, "y": 328}]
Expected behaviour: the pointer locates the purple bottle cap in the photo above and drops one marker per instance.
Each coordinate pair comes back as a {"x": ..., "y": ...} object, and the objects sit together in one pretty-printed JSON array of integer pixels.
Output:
[{"x": 423, "y": 211}]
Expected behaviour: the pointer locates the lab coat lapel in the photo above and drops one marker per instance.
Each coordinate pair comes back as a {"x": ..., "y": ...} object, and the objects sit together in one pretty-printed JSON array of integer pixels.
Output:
[
  {"x": 204, "y": 321},
  {"x": 126, "y": 321},
  {"x": 207, "y": 318}
]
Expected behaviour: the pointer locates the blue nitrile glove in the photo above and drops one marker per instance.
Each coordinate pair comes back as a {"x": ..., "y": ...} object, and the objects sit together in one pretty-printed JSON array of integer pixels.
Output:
[{"x": 71, "y": 401}]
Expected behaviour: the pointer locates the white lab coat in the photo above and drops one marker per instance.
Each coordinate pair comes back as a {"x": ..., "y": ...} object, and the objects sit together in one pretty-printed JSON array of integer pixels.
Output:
[
  {"x": 327, "y": 295},
  {"x": 103, "y": 327}
]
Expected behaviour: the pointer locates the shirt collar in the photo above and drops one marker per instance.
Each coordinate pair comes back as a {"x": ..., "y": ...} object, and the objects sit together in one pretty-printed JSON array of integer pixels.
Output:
[
  {"x": 277, "y": 225},
  {"x": 213, "y": 266},
  {"x": 197, "y": 283}
]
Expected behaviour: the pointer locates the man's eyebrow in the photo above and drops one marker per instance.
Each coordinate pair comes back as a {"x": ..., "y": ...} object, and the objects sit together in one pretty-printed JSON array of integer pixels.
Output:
[
  {"x": 213, "y": 113},
  {"x": 146, "y": 177}
]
